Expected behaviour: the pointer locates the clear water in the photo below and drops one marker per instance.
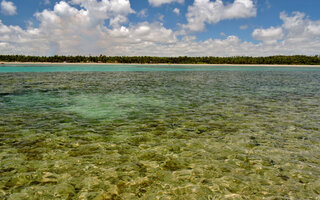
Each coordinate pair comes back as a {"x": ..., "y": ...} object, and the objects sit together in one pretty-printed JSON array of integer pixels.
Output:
[
  {"x": 236, "y": 134},
  {"x": 140, "y": 68}
]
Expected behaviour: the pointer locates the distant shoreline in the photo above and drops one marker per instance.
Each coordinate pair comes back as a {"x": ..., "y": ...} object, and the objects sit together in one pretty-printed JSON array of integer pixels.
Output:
[
  {"x": 153, "y": 64},
  {"x": 277, "y": 60}
]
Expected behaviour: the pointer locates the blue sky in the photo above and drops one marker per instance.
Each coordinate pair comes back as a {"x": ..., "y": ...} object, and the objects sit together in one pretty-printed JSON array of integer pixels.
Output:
[{"x": 160, "y": 27}]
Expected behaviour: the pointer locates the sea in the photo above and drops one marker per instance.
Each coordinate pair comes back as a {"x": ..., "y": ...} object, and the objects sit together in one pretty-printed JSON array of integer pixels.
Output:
[{"x": 159, "y": 132}]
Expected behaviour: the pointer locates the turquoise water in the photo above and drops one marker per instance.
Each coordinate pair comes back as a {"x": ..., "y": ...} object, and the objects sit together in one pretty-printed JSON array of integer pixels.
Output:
[
  {"x": 115, "y": 68},
  {"x": 242, "y": 133}
]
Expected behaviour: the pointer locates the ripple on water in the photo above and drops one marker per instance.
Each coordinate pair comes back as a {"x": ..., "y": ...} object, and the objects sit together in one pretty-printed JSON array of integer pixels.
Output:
[{"x": 160, "y": 135}]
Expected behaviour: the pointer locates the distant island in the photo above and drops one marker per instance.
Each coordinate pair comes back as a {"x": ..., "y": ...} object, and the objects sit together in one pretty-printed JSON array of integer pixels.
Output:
[{"x": 270, "y": 60}]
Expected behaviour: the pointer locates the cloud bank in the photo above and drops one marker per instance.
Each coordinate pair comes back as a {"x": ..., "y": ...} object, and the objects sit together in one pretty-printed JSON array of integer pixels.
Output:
[{"x": 83, "y": 27}]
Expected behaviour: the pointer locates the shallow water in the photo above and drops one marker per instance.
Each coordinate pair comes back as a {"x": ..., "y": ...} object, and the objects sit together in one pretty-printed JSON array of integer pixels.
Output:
[
  {"x": 239, "y": 134},
  {"x": 141, "y": 68}
]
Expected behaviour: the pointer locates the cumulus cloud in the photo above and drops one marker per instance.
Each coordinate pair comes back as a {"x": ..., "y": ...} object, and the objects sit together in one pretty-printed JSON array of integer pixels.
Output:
[
  {"x": 297, "y": 34},
  {"x": 206, "y": 11},
  {"x": 116, "y": 11},
  {"x": 270, "y": 35},
  {"x": 143, "y": 32},
  {"x": 156, "y": 3},
  {"x": 299, "y": 27},
  {"x": 16, "y": 40},
  {"x": 74, "y": 30},
  {"x": 66, "y": 30},
  {"x": 8, "y": 8}
]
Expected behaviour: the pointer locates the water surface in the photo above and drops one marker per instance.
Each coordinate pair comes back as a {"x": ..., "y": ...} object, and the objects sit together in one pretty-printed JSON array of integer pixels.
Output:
[
  {"x": 127, "y": 67},
  {"x": 210, "y": 134}
]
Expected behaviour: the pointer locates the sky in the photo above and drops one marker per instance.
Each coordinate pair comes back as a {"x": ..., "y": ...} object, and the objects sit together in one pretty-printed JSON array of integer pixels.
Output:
[{"x": 160, "y": 27}]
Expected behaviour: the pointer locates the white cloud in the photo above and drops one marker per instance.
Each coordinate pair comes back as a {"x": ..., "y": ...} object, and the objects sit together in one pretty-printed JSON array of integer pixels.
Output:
[
  {"x": 206, "y": 11},
  {"x": 298, "y": 33},
  {"x": 298, "y": 26},
  {"x": 177, "y": 11},
  {"x": 15, "y": 40},
  {"x": 157, "y": 3},
  {"x": 144, "y": 32},
  {"x": 8, "y": 8},
  {"x": 270, "y": 35},
  {"x": 116, "y": 11},
  {"x": 70, "y": 30},
  {"x": 67, "y": 28}
]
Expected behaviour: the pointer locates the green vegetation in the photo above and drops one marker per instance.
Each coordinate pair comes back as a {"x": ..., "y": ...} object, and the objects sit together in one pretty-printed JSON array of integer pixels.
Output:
[{"x": 285, "y": 60}]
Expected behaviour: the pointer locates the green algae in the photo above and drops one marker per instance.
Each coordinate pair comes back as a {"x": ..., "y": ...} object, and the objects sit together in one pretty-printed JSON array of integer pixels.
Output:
[{"x": 160, "y": 135}]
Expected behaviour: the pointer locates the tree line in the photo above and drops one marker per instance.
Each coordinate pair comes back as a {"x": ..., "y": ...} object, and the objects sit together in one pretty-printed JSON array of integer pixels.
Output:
[{"x": 280, "y": 60}]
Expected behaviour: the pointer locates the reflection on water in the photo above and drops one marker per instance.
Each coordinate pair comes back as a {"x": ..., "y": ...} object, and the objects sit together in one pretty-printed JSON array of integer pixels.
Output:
[{"x": 160, "y": 135}]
